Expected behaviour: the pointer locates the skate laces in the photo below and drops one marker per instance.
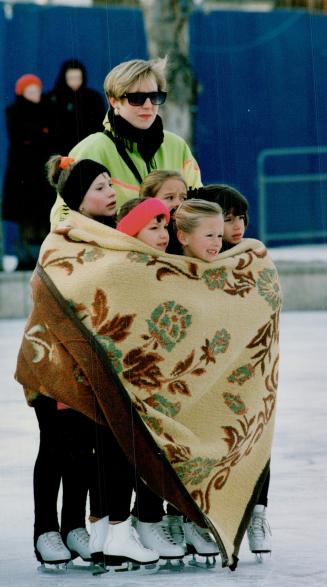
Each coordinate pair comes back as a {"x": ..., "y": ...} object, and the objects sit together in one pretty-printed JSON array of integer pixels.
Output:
[
  {"x": 81, "y": 535},
  {"x": 54, "y": 540},
  {"x": 259, "y": 524},
  {"x": 203, "y": 532},
  {"x": 176, "y": 528},
  {"x": 163, "y": 532}
]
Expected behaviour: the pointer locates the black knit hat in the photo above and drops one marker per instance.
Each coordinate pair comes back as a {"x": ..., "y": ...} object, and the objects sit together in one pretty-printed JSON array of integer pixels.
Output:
[{"x": 82, "y": 175}]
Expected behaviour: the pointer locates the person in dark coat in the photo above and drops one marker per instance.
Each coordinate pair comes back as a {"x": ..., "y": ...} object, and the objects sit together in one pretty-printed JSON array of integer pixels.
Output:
[
  {"x": 27, "y": 196},
  {"x": 77, "y": 110}
]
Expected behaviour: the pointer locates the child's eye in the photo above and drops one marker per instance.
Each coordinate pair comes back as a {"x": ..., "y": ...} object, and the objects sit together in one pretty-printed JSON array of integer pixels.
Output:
[{"x": 227, "y": 218}]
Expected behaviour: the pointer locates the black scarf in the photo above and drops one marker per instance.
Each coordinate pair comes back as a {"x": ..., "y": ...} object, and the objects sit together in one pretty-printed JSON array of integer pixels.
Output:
[{"x": 148, "y": 141}]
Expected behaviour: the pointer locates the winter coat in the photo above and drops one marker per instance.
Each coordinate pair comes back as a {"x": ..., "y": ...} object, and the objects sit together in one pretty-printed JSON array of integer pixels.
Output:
[
  {"x": 27, "y": 195},
  {"x": 76, "y": 114},
  {"x": 173, "y": 153}
]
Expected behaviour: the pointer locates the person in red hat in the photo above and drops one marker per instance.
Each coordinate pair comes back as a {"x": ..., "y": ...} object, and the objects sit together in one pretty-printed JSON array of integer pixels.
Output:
[{"x": 27, "y": 197}]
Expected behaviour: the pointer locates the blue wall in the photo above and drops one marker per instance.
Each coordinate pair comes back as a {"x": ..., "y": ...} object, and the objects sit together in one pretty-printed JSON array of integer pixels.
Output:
[
  {"x": 264, "y": 85},
  {"x": 38, "y": 39}
]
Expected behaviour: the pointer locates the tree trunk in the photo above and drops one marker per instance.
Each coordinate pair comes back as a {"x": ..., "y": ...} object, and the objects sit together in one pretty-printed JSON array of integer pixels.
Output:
[{"x": 166, "y": 24}]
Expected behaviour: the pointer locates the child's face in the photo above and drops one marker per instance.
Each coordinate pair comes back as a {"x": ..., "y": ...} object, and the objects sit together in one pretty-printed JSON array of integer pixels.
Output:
[
  {"x": 234, "y": 228},
  {"x": 100, "y": 198},
  {"x": 205, "y": 241},
  {"x": 172, "y": 192},
  {"x": 155, "y": 234}
]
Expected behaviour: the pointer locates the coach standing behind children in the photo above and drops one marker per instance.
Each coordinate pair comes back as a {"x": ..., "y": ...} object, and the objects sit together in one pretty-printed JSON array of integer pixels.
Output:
[{"x": 134, "y": 142}]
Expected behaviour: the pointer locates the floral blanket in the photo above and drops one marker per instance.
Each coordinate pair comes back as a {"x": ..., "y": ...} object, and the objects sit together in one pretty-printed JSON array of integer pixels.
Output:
[{"x": 179, "y": 357}]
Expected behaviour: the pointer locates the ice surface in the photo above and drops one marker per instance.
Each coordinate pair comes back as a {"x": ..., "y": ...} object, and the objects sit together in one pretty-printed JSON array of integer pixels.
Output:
[{"x": 297, "y": 506}]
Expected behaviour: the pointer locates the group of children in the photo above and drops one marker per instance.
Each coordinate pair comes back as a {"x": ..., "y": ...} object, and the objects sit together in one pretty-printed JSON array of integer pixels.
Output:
[{"x": 197, "y": 223}]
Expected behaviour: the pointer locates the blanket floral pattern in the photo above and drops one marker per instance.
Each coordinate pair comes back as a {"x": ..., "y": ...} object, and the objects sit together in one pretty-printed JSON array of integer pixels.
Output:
[{"x": 194, "y": 345}]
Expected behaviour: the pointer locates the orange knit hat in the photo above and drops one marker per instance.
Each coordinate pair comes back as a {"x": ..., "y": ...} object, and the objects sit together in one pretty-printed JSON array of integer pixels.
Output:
[{"x": 26, "y": 80}]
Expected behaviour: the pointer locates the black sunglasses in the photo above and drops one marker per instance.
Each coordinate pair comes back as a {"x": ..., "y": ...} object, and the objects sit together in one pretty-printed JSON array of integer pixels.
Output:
[{"x": 138, "y": 98}]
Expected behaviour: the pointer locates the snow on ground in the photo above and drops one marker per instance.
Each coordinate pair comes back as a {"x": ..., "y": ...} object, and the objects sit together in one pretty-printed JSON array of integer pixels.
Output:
[
  {"x": 299, "y": 253},
  {"x": 297, "y": 507}
]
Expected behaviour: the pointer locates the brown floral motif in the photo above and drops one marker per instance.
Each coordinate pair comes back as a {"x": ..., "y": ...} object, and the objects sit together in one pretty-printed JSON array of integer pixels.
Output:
[
  {"x": 145, "y": 362},
  {"x": 177, "y": 453},
  {"x": 108, "y": 332},
  {"x": 218, "y": 344},
  {"x": 266, "y": 336},
  {"x": 66, "y": 263},
  {"x": 166, "y": 267},
  {"x": 179, "y": 387},
  {"x": 142, "y": 369},
  {"x": 217, "y": 279},
  {"x": 241, "y": 438}
]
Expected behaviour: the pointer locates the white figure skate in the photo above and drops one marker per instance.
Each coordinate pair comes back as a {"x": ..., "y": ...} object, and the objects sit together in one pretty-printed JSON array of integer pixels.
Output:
[{"x": 259, "y": 533}]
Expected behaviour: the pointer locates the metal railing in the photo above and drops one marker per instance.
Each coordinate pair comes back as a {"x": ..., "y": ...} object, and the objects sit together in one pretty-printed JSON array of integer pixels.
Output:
[{"x": 267, "y": 179}]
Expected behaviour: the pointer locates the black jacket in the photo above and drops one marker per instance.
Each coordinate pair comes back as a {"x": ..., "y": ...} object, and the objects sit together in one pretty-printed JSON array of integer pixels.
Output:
[
  {"x": 27, "y": 195},
  {"x": 76, "y": 114}
]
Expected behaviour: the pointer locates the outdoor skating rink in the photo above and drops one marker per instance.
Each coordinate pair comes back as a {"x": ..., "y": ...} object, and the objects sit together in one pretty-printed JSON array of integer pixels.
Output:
[{"x": 297, "y": 509}]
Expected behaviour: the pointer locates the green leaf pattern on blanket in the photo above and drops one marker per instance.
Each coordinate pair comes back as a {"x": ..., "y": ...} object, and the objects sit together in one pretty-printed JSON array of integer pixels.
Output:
[
  {"x": 218, "y": 344},
  {"x": 268, "y": 287},
  {"x": 153, "y": 423},
  {"x": 160, "y": 403},
  {"x": 138, "y": 257},
  {"x": 168, "y": 324},
  {"x": 114, "y": 354},
  {"x": 215, "y": 278},
  {"x": 235, "y": 403},
  {"x": 194, "y": 471},
  {"x": 241, "y": 374}
]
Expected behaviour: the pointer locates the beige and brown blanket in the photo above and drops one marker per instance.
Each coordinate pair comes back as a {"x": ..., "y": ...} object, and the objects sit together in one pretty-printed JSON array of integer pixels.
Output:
[{"x": 179, "y": 357}]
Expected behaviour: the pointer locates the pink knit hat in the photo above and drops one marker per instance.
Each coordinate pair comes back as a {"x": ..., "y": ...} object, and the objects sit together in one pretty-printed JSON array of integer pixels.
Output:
[
  {"x": 27, "y": 80},
  {"x": 138, "y": 217}
]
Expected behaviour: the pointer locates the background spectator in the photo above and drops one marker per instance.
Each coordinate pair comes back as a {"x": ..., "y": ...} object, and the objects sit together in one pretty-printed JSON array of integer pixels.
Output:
[
  {"x": 77, "y": 110},
  {"x": 27, "y": 196}
]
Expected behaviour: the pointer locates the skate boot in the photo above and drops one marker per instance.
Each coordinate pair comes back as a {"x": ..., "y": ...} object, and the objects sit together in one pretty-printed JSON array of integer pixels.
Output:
[
  {"x": 51, "y": 550},
  {"x": 156, "y": 535},
  {"x": 200, "y": 542},
  {"x": 175, "y": 527},
  {"x": 259, "y": 533},
  {"x": 78, "y": 543},
  {"x": 99, "y": 531},
  {"x": 123, "y": 545}
]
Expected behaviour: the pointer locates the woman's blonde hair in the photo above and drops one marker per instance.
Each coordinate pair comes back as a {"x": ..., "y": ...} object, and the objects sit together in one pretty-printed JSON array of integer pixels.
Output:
[
  {"x": 152, "y": 183},
  {"x": 189, "y": 214},
  {"x": 122, "y": 77}
]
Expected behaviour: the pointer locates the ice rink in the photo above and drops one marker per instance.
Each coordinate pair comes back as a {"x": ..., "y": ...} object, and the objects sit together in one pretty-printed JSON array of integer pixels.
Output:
[{"x": 297, "y": 509}]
